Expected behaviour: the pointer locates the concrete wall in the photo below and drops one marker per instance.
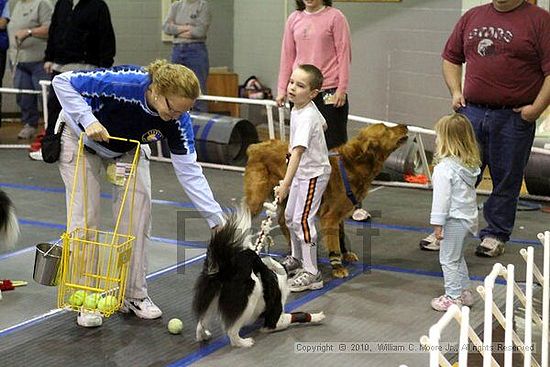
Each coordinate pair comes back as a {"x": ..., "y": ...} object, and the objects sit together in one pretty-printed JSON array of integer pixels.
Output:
[{"x": 138, "y": 27}]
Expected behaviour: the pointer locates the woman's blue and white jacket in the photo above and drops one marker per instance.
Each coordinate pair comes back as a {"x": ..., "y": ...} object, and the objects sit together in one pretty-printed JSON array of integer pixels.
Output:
[{"x": 116, "y": 97}]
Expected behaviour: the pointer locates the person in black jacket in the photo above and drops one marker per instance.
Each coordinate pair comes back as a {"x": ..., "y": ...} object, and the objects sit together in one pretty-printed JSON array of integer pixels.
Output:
[{"x": 81, "y": 37}]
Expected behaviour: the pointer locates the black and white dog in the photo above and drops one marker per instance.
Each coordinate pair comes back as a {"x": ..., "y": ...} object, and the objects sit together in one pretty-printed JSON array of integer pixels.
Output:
[
  {"x": 9, "y": 227},
  {"x": 240, "y": 286}
]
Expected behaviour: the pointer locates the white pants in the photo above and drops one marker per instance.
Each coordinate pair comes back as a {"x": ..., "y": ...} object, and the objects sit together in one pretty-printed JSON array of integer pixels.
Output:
[
  {"x": 141, "y": 227},
  {"x": 302, "y": 205},
  {"x": 451, "y": 257}
]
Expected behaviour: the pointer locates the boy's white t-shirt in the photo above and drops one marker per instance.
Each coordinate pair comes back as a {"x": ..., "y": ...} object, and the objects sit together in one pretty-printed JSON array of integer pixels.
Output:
[{"x": 307, "y": 127}]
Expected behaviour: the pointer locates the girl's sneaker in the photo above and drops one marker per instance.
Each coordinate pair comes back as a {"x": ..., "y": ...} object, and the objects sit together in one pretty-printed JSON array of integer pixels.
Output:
[
  {"x": 306, "y": 281},
  {"x": 442, "y": 303}
]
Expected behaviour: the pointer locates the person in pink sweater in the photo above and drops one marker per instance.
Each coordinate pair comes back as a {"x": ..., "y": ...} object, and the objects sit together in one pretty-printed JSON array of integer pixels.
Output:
[{"x": 318, "y": 34}]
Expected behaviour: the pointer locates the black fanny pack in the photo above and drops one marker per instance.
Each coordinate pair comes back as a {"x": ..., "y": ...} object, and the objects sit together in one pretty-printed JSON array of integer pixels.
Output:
[{"x": 51, "y": 145}]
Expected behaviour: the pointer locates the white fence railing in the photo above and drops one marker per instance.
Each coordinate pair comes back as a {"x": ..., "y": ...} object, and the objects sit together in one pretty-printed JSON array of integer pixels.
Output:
[
  {"x": 512, "y": 340},
  {"x": 270, "y": 106}
]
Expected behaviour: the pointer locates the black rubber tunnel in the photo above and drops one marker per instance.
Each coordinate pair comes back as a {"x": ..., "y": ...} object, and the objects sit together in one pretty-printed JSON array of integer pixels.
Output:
[{"x": 219, "y": 139}]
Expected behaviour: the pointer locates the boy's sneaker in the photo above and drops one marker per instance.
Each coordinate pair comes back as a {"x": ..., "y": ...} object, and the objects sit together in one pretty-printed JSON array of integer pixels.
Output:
[
  {"x": 27, "y": 132},
  {"x": 291, "y": 265},
  {"x": 306, "y": 281},
  {"x": 490, "y": 247},
  {"x": 442, "y": 303},
  {"x": 360, "y": 215},
  {"x": 467, "y": 298},
  {"x": 143, "y": 308},
  {"x": 89, "y": 319},
  {"x": 36, "y": 155},
  {"x": 430, "y": 243}
]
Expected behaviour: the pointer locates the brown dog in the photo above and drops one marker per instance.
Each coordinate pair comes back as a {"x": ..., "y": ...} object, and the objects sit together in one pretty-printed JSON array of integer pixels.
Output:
[{"x": 363, "y": 158}]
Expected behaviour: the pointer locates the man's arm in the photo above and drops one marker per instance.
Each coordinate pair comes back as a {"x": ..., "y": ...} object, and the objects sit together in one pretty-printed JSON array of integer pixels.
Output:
[
  {"x": 452, "y": 73},
  {"x": 533, "y": 111}
]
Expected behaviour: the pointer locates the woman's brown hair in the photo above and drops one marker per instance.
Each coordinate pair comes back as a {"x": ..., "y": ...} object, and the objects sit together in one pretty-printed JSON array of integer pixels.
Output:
[{"x": 173, "y": 79}]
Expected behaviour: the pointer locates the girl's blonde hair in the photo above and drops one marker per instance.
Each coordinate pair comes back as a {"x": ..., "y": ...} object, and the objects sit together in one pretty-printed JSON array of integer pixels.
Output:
[
  {"x": 455, "y": 137},
  {"x": 174, "y": 79}
]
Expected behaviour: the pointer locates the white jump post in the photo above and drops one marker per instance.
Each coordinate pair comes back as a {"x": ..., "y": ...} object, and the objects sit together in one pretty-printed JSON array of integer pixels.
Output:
[
  {"x": 486, "y": 291},
  {"x": 467, "y": 334},
  {"x": 528, "y": 306},
  {"x": 508, "y": 326},
  {"x": 545, "y": 299}
]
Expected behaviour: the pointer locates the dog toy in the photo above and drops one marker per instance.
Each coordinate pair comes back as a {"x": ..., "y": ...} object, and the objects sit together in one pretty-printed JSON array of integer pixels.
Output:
[
  {"x": 264, "y": 240},
  {"x": 175, "y": 326},
  {"x": 8, "y": 285}
]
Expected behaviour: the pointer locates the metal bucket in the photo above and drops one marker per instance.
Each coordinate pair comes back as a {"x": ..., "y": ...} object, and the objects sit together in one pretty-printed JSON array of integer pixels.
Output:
[{"x": 46, "y": 263}]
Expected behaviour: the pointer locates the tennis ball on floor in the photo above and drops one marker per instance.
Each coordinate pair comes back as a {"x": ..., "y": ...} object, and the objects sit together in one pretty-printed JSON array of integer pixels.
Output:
[
  {"x": 91, "y": 301},
  {"x": 106, "y": 304},
  {"x": 77, "y": 298},
  {"x": 175, "y": 326}
]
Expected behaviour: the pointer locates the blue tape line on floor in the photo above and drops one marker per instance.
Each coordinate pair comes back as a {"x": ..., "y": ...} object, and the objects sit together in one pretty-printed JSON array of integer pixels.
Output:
[
  {"x": 223, "y": 341},
  {"x": 352, "y": 223}
]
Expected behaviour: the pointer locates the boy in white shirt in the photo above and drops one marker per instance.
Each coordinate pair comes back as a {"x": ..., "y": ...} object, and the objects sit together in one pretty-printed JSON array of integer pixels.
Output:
[{"x": 306, "y": 177}]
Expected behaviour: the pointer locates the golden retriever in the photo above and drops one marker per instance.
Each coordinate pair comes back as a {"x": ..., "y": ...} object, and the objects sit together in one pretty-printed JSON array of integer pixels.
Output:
[{"x": 363, "y": 158}]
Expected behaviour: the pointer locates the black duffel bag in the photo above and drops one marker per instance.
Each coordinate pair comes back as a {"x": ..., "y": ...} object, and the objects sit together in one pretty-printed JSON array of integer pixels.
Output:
[{"x": 51, "y": 146}]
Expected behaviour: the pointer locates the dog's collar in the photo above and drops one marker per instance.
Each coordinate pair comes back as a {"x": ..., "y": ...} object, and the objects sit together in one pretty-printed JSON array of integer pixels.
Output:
[{"x": 345, "y": 181}]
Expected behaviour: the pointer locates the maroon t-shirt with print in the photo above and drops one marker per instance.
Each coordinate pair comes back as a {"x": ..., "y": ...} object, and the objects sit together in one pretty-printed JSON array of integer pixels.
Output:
[{"x": 507, "y": 54}]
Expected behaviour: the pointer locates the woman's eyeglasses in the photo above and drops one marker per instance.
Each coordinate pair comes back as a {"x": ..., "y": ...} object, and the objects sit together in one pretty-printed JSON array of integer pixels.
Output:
[{"x": 171, "y": 110}]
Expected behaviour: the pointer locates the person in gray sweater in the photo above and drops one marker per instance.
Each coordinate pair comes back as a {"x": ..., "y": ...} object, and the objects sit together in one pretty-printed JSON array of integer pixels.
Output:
[
  {"x": 188, "y": 22},
  {"x": 28, "y": 34}
]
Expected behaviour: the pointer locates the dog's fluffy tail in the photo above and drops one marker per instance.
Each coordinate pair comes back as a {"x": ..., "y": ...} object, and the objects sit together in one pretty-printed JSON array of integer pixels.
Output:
[
  {"x": 224, "y": 245},
  {"x": 232, "y": 238},
  {"x": 9, "y": 226}
]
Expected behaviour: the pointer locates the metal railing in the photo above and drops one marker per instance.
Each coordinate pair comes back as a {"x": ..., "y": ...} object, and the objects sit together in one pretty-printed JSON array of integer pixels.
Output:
[{"x": 270, "y": 106}]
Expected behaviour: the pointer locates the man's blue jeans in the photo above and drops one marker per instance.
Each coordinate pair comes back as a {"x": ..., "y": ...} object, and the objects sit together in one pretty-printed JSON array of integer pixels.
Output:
[
  {"x": 505, "y": 141},
  {"x": 28, "y": 76},
  {"x": 195, "y": 57}
]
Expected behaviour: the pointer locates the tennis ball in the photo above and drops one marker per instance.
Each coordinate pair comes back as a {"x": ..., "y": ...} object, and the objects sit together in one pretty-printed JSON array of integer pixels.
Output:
[
  {"x": 175, "y": 326},
  {"x": 91, "y": 301},
  {"x": 77, "y": 298},
  {"x": 106, "y": 304}
]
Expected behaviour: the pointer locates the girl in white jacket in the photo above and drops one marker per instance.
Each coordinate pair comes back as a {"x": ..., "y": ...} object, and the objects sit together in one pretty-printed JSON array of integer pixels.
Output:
[{"x": 454, "y": 205}]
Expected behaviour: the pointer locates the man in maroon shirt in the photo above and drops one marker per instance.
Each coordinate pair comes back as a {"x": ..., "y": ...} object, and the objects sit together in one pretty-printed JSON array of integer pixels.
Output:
[{"x": 506, "y": 46}]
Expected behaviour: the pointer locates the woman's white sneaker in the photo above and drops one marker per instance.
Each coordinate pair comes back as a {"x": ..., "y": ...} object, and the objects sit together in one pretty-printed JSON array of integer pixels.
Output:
[{"x": 143, "y": 308}]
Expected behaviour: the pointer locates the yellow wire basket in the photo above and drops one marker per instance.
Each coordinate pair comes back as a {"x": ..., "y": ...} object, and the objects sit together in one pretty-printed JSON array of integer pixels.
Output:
[{"x": 94, "y": 263}]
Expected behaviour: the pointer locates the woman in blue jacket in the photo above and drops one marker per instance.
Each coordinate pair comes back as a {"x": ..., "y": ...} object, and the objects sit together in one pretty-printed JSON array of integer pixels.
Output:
[{"x": 145, "y": 104}]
